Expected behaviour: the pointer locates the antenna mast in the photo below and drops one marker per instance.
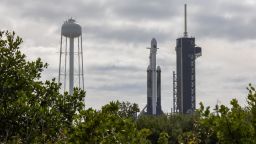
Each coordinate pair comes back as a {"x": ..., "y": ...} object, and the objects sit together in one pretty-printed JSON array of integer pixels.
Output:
[{"x": 185, "y": 19}]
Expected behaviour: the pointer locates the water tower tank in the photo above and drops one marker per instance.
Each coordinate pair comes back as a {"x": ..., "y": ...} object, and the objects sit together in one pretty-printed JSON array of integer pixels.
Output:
[{"x": 71, "y": 29}]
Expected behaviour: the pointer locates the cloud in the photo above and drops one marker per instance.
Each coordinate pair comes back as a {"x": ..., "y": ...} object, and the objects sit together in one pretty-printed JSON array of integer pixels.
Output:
[
  {"x": 225, "y": 27},
  {"x": 145, "y": 9},
  {"x": 230, "y": 20},
  {"x": 125, "y": 33}
]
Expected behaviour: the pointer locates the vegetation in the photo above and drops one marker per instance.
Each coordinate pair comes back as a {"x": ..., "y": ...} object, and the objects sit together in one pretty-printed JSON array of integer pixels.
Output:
[
  {"x": 228, "y": 125},
  {"x": 33, "y": 111},
  {"x": 171, "y": 126}
]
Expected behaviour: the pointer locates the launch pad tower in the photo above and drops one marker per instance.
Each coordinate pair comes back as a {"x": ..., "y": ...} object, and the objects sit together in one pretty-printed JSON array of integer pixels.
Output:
[{"x": 184, "y": 89}]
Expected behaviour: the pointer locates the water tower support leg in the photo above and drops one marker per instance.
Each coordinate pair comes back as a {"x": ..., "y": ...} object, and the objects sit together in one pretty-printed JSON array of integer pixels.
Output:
[{"x": 71, "y": 66}]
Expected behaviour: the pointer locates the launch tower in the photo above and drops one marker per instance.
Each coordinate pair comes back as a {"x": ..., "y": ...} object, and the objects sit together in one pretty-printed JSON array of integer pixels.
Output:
[{"x": 184, "y": 89}]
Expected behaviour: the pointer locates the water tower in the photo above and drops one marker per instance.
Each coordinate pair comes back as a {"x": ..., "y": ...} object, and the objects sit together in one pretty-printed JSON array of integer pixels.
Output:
[{"x": 72, "y": 51}]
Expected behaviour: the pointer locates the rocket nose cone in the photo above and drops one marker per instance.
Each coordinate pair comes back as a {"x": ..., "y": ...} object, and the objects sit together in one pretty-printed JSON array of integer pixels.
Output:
[
  {"x": 158, "y": 68},
  {"x": 153, "y": 43}
]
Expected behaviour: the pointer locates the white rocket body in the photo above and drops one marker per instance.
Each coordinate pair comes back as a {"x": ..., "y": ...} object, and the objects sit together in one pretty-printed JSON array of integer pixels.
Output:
[{"x": 152, "y": 65}]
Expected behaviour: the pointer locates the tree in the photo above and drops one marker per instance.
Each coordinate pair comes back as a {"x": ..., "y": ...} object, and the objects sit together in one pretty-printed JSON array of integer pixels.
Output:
[
  {"x": 31, "y": 110},
  {"x": 174, "y": 125},
  {"x": 106, "y": 126},
  {"x": 126, "y": 109},
  {"x": 163, "y": 138},
  {"x": 228, "y": 125},
  {"x": 251, "y": 100}
]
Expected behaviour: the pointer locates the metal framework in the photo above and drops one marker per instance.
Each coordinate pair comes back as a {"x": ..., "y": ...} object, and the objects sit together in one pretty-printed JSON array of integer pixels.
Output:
[{"x": 174, "y": 84}]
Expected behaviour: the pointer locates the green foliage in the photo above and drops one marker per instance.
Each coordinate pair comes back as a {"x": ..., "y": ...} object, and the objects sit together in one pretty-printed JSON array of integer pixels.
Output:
[
  {"x": 188, "y": 138},
  {"x": 233, "y": 125},
  {"x": 251, "y": 108},
  {"x": 143, "y": 135},
  {"x": 106, "y": 126},
  {"x": 203, "y": 126},
  {"x": 31, "y": 110},
  {"x": 128, "y": 110},
  {"x": 163, "y": 138},
  {"x": 174, "y": 125},
  {"x": 224, "y": 125},
  {"x": 228, "y": 125}
]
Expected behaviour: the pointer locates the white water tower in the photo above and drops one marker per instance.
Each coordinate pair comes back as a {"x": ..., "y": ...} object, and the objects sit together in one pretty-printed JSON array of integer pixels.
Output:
[{"x": 72, "y": 51}]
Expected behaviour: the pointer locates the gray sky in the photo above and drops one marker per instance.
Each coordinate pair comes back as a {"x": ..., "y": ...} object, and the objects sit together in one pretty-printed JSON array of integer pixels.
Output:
[{"x": 117, "y": 32}]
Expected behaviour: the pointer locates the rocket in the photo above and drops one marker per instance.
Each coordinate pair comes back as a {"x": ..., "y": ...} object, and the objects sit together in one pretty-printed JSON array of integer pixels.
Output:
[{"x": 153, "y": 82}]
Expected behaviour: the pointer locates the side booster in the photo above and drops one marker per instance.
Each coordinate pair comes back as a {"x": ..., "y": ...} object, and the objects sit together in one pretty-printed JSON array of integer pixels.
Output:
[{"x": 153, "y": 83}]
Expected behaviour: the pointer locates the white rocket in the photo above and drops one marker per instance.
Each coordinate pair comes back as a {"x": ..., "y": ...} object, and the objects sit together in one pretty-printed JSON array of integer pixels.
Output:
[
  {"x": 153, "y": 83},
  {"x": 152, "y": 68}
]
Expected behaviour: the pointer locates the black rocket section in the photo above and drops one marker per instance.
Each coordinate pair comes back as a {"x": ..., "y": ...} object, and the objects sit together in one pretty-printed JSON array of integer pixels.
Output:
[
  {"x": 149, "y": 91},
  {"x": 158, "y": 104}
]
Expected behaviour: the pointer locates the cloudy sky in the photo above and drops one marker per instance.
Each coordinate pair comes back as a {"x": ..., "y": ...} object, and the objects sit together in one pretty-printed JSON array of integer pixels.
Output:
[{"x": 116, "y": 34}]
